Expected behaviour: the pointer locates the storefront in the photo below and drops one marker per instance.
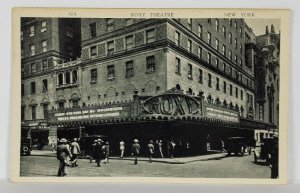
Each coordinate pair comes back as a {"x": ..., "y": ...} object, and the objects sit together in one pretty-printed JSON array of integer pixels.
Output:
[{"x": 194, "y": 124}]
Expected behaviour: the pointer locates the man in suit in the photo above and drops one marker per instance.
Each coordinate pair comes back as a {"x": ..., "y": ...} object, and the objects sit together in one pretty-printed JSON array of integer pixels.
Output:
[
  {"x": 62, "y": 153},
  {"x": 136, "y": 150}
]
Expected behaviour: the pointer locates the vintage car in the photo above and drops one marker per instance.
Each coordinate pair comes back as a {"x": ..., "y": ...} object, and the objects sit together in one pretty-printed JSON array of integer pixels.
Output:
[
  {"x": 237, "y": 145},
  {"x": 263, "y": 151},
  {"x": 25, "y": 148}
]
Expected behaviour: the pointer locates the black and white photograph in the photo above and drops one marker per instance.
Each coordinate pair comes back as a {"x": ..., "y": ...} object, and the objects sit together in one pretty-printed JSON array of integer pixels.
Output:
[{"x": 150, "y": 96}]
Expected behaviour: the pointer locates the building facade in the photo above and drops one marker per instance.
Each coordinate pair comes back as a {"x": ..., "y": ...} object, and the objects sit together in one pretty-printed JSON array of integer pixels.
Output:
[{"x": 125, "y": 59}]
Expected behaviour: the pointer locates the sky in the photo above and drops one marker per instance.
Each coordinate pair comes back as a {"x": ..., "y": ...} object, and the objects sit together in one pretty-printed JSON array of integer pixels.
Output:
[{"x": 259, "y": 25}]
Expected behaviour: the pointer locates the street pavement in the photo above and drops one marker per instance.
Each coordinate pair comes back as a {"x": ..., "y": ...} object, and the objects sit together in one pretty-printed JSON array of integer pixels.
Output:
[{"x": 227, "y": 167}]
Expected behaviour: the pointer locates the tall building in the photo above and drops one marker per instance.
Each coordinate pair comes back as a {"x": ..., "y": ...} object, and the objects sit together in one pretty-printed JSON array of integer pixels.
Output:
[
  {"x": 267, "y": 81},
  {"x": 45, "y": 43},
  {"x": 191, "y": 80}
]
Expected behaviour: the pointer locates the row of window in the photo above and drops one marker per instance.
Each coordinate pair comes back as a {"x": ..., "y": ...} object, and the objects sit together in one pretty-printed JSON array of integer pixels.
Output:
[
  {"x": 129, "y": 69},
  {"x": 33, "y": 30},
  {"x": 33, "y": 87},
  {"x": 34, "y": 67},
  {"x": 33, "y": 49},
  {"x": 129, "y": 43},
  {"x": 110, "y": 25},
  {"x": 65, "y": 78}
]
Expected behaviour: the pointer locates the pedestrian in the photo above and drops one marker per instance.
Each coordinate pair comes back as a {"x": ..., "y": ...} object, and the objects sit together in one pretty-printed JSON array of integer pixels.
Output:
[
  {"x": 172, "y": 148},
  {"x": 98, "y": 152},
  {"x": 92, "y": 150},
  {"x": 160, "y": 148},
  {"x": 106, "y": 152},
  {"x": 62, "y": 153},
  {"x": 151, "y": 150},
  {"x": 122, "y": 148},
  {"x": 136, "y": 150},
  {"x": 222, "y": 146},
  {"x": 75, "y": 150},
  {"x": 53, "y": 145}
]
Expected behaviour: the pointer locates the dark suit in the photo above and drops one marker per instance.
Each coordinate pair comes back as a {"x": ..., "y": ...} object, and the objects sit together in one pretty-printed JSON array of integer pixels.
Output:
[{"x": 62, "y": 153}]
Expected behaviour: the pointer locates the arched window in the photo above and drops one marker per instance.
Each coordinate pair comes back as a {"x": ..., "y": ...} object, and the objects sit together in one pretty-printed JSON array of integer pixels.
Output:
[
  {"x": 217, "y": 101},
  {"x": 231, "y": 106},
  {"x": 60, "y": 79},
  {"x": 178, "y": 87},
  {"x": 74, "y": 75},
  {"x": 67, "y": 77},
  {"x": 209, "y": 99},
  {"x": 225, "y": 104}
]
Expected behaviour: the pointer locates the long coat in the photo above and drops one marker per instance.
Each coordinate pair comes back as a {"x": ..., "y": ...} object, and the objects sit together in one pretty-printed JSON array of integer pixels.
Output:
[{"x": 63, "y": 152}]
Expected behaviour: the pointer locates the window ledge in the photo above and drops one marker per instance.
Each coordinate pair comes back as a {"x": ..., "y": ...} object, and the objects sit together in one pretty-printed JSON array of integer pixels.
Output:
[
  {"x": 150, "y": 72},
  {"x": 178, "y": 73},
  {"x": 128, "y": 76},
  {"x": 111, "y": 78},
  {"x": 93, "y": 82}
]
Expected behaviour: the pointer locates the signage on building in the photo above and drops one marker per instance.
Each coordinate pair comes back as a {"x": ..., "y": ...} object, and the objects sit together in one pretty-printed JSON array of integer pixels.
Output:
[
  {"x": 222, "y": 114},
  {"x": 89, "y": 114},
  {"x": 171, "y": 104}
]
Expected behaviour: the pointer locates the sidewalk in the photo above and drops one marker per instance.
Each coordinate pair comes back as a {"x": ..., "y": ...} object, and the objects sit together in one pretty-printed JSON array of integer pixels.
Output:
[{"x": 181, "y": 160}]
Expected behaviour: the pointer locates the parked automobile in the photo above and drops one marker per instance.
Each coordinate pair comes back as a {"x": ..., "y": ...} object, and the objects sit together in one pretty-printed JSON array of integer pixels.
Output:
[
  {"x": 237, "y": 145},
  {"x": 263, "y": 151},
  {"x": 25, "y": 148}
]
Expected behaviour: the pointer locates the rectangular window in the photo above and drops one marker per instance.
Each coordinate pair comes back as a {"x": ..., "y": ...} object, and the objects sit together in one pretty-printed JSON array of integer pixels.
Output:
[
  {"x": 150, "y": 60},
  {"x": 33, "y": 67},
  {"x": 235, "y": 25},
  {"x": 110, "y": 47},
  {"x": 45, "y": 85},
  {"x": 224, "y": 31},
  {"x": 32, "y": 87},
  {"x": 217, "y": 44},
  {"x": 200, "y": 31},
  {"x": 217, "y": 25},
  {"x": 189, "y": 45},
  {"x": 177, "y": 66},
  {"x": 129, "y": 41},
  {"x": 209, "y": 38},
  {"x": 94, "y": 75},
  {"x": 217, "y": 62},
  {"x": 230, "y": 89},
  {"x": 230, "y": 22},
  {"x": 241, "y": 32},
  {"x": 45, "y": 64},
  {"x": 217, "y": 84},
  {"x": 235, "y": 43},
  {"x": 190, "y": 71},
  {"x": 177, "y": 38},
  {"x": 241, "y": 48},
  {"x": 230, "y": 55},
  {"x": 209, "y": 58},
  {"x": 190, "y": 23},
  {"x": 230, "y": 38},
  {"x": 236, "y": 92},
  {"x": 224, "y": 65},
  {"x": 75, "y": 103},
  {"x": 209, "y": 80},
  {"x": 200, "y": 76},
  {"x": 32, "y": 50},
  {"x": 230, "y": 71},
  {"x": 93, "y": 50},
  {"x": 61, "y": 104},
  {"x": 150, "y": 35},
  {"x": 224, "y": 87},
  {"x": 242, "y": 95},
  {"x": 32, "y": 31},
  {"x": 111, "y": 72},
  {"x": 44, "y": 46},
  {"x": 45, "y": 110},
  {"x": 44, "y": 26},
  {"x": 235, "y": 59},
  {"x": 33, "y": 112},
  {"x": 224, "y": 50},
  {"x": 110, "y": 24},
  {"x": 241, "y": 62},
  {"x": 129, "y": 69},
  {"x": 93, "y": 32},
  {"x": 22, "y": 113},
  {"x": 22, "y": 90},
  {"x": 199, "y": 52}
]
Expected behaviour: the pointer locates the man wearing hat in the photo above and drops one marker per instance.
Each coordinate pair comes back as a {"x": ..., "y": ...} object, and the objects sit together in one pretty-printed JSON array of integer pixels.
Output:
[
  {"x": 62, "y": 153},
  {"x": 151, "y": 150},
  {"x": 92, "y": 150},
  {"x": 136, "y": 150},
  {"x": 98, "y": 152},
  {"x": 75, "y": 150}
]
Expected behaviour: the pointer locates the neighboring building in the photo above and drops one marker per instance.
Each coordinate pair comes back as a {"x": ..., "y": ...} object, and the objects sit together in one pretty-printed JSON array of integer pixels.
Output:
[
  {"x": 45, "y": 43},
  {"x": 267, "y": 73},
  {"x": 125, "y": 62}
]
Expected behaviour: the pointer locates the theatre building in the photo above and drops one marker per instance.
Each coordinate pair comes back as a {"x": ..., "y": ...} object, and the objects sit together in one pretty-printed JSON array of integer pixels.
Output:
[{"x": 186, "y": 80}]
